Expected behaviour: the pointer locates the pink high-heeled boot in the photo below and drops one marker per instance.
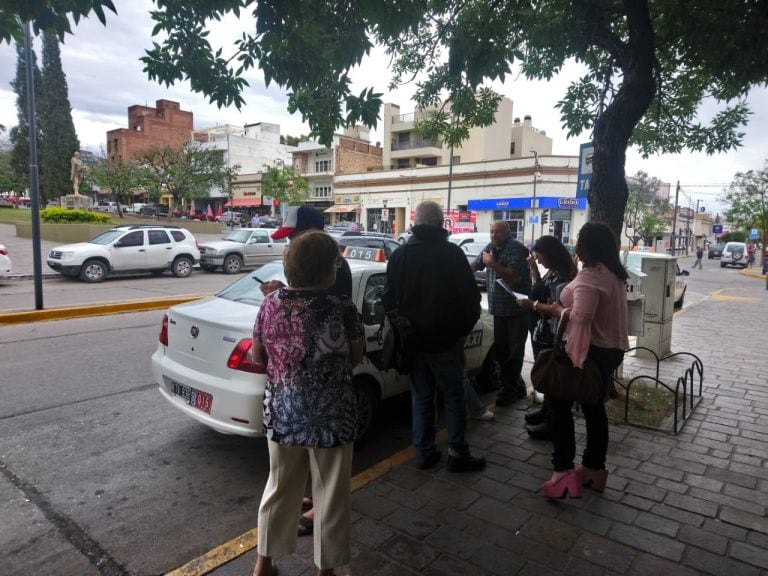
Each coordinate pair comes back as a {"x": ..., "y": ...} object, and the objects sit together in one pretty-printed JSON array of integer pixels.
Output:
[
  {"x": 592, "y": 478},
  {"x": 568, "y": 485}
]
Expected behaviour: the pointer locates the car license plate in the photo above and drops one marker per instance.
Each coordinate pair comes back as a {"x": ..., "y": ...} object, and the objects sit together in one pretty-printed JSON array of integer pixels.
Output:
[{"x": 195, "y": 398}]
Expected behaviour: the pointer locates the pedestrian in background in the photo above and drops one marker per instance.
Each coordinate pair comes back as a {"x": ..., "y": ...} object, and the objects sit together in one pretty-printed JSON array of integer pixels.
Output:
[
  {"x": 430, "y": 284},
  {"x": 699, "y": 256},
  {"x": 561, "y": 269},
  {"x": 507, "y": 259},
  {"x": 309, "y": 339},
  {"x": 596, "y": 306}
]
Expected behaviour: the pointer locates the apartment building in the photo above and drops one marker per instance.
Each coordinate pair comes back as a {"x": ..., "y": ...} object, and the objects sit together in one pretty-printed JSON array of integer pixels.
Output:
[
  {"x": 250, "y": 148},
  {"x": 148, "y": 127},
  {"x": 350, "y": 152},
  {"x": 505, "y": 171}
]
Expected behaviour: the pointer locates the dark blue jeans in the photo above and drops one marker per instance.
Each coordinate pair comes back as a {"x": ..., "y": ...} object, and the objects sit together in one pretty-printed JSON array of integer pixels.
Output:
[
  {"x": 509, "y": 336},
  {"x": 444, "y": 371},
  {"x": 561, "y": 419}
]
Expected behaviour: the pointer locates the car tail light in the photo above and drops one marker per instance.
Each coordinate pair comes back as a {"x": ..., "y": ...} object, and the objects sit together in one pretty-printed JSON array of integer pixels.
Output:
[
  {"x": 164, "y": 331},
  {"x": 240, "y": 358}
]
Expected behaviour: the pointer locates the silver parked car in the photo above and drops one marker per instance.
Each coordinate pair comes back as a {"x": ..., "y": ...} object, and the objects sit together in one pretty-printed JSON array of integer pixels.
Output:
[{"x": 243, "y": 248}]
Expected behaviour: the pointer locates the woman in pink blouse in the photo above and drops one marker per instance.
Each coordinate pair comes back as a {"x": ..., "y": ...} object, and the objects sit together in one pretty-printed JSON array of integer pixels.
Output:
[{"x": 596, "y": 305}]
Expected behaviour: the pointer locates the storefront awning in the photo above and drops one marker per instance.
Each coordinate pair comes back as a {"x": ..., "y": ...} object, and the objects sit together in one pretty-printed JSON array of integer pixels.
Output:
[
  {"x": 343, "y": 208},
  {"x": 244, "y": 202}
]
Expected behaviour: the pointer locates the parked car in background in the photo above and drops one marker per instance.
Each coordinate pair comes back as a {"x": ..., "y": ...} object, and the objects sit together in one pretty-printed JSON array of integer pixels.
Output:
[
  {"x": 236, "y": 218},
  {"x": 472, "y": 251},
  {"x": 369, "y": 240},
  {"x": 153, "y": 209},
  {"x": 203, "y": 367},
  {"x": 715, "y": 251},
  {"x": 735, "y": 254},
  {"x": 6, "y": 266},
  {"x": 128, "y": 249},
  {"x": 462, "y": 238},
  {"x": 242, "y": 248},
  {"x": 345, "y": 226},
  {"x": 106, "y": 206},
  {"x": 403, "y": 237}
]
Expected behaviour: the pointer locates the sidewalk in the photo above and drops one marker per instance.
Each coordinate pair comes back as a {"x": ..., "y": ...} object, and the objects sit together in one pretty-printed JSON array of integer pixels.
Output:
[{"x": 694, "y": 503}]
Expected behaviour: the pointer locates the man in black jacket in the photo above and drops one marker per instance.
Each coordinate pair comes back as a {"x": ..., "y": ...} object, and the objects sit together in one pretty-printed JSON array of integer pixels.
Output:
[{"x": 430, "y": 284}]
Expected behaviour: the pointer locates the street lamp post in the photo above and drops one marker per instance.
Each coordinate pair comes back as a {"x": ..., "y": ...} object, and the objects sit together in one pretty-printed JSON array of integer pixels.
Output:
[
  {"x": 384, "y": 221},
  {"x": 536, "y": 175}
]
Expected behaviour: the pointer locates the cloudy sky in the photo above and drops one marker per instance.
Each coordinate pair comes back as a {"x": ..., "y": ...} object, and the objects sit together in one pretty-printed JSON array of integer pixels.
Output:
[{"x": 105, "y": 77}]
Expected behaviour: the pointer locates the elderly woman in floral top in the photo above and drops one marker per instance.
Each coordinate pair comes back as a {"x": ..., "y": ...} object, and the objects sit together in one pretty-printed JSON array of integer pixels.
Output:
[{"x": 310, "y": 340}]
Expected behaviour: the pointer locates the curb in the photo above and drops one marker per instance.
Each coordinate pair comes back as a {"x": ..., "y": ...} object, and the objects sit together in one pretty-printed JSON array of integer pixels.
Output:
[
  {"x": 752, "y": 273},
  {"x": 23, "y": 316}
]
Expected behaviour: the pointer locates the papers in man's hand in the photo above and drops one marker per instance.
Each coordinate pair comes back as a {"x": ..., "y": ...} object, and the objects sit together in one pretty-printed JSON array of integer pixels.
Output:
[{"x": 503, "y": 283}]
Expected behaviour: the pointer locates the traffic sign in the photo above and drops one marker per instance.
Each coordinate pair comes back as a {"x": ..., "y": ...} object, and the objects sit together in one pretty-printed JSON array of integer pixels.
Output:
[
  {"x": 448, "y": 224},
  {"x": 385, "y": 213},
  {"x": 533, "y": 219},
  {"x": 754, "y": 234},
  {"x": 584, "y": 180},
  {"x": 717, "y": 229}
]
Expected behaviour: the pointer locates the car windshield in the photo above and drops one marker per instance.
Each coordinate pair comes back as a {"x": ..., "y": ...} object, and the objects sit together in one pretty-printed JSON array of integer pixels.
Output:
[
  {"x": 247, "y": 290},
  {"x": 107, "y": 237},
  {"x": 238, "y": 236}
]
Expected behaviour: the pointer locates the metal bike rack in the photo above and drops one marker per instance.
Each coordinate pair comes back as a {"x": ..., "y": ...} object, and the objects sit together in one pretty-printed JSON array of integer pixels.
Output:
[{"x": 684, "y": 390}]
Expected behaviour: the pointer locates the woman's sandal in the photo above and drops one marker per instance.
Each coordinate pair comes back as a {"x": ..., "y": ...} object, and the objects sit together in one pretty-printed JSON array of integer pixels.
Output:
[{"x": 306, "y": 526}]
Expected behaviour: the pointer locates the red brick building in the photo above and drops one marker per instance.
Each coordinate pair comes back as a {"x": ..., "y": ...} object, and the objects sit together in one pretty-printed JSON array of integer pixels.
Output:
[{"x": 165, "y": 124}]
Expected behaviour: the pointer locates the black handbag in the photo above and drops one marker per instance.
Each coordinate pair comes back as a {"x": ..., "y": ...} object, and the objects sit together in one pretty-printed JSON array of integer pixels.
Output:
[
  {"x": 553, "y": 374},
  {"x": 397, "y": 346}
]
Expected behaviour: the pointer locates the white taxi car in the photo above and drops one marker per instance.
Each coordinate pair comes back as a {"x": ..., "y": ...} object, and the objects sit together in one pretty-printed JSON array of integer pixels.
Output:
[
  {"x": 202, "y": 362},
  {"x": 6, "y": 267}
]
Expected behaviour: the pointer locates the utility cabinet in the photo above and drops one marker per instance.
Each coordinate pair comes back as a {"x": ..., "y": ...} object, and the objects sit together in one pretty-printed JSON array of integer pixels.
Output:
[{"x": 658, "y": 288}]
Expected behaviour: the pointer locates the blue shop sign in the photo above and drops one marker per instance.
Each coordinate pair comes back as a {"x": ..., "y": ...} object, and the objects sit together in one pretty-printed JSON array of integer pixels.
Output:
[{"x": 525, "y": 203}]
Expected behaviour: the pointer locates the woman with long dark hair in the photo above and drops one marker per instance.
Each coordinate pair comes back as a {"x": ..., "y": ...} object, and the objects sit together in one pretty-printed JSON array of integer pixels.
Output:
[
  {"x": 561, "y": 269},
  {"x": 595, "y": 304}
]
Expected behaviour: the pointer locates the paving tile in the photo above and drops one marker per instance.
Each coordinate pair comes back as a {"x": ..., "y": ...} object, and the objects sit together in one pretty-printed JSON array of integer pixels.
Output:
[
  {"x": 634, "y": 475},
  {"x": 553, "y": 533},
  {"x": 754, "y": 506},
  {"x": 671, "y": 486},
  {"x": 657, "y": 524},
  {"x": 407, "y": 478},
  {"x": 579, "y": 567},
  {"x": 660, "y": 545},
  {"x": 756, "y": 471},
  {"x": 370, "y": 532},
  {"x": 497, "y": 490},
  {"x": 364, "y": 561},
  {"x": 414, "y": 524},
  {"x": 648, "y": 565},
  {"x": 406, "y": 498},
  {"x": 604, "y": 552},
  {"x": 702, "y": 539},
  {"x": 446, "y": 564},
  {"x": 699, "y": 458},
  {"x": 368, "y": 504},
  {"x": 646, "y": 491},
  {"x": 729, "y": 531},
  {"x": 409, "y": 552},
  {"x": 533, "y": 568},
  {"x": 730, "y": 477},
  {"x": 585, "y": 520},
  {"x": 703, "y": 482},
  {"x": 497, "y": 560},
  {"x": 744, "y": 519},
  {"x": 690, "y": 504},
  {"x": 613, "y": 510},
  {"x": 391, "y": 569},
  {"x": 456, "y": 542},
  {"x": 448, "y": 493},
  {"x": 662, "y": 471},
  {"x": 716, "y": 564},
  {"x": 678, "y": 515},
  {"x": 489, "y": 510}
]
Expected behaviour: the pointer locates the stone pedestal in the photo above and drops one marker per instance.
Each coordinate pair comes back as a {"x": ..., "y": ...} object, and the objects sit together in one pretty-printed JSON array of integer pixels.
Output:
[{"x": 76, "y": 202}]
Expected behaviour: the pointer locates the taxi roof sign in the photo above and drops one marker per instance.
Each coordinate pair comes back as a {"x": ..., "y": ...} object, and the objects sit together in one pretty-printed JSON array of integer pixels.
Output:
[{"x": 367, "y": 254}]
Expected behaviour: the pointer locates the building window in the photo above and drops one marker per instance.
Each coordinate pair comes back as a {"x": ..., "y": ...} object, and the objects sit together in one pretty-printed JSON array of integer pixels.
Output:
[
  {"x": 512, "y": 149},
  {"x": 323, "y": 166},
  {"x": 403, "y": 137},
  {"x": 322, "y": 192},
  {"x": 456, "y": 160},
  {"x": 428, "y": 161},
  {"x": 403, "y": 163}
]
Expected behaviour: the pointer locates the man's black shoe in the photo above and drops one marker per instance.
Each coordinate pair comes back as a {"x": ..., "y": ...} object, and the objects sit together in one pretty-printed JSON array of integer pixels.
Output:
[
  {"x": 539, "y": 431},
  {"x": 534, "y": 418},
  {"x": 430, "y": 460},
  {"x": 466, "y": 463}
]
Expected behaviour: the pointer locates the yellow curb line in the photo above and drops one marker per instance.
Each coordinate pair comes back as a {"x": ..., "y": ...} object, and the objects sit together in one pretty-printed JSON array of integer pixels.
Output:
[
  {"x": 751, "y": 273},
  {"x": 23, "y": 316},
  {"x": 720, "y": 296},
  {"x": 245, "y": 542}
]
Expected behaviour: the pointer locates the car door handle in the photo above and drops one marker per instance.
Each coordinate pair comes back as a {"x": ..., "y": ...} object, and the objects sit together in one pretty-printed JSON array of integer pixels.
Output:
[
  {"x": 169, "y": 247},
  {"x": 142, "y": 250}
]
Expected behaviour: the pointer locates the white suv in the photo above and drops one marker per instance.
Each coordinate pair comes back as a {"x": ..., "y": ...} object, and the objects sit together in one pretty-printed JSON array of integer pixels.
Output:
[
  {"x": 734, "y": 253},
  {"x": 140, "y": 248}
]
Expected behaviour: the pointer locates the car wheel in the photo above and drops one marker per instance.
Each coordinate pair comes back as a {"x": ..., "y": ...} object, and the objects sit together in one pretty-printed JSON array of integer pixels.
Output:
[
  {"x": 93, "y": 271},
  {"x": 232, "y": 264},
  {"x": 489, "y": 378},
  {"x": 722, "y": 264},
  {"x": 208, "y": 268},
  {"x": 182, "y": 266},
  {"x": 367, "y": 399}
]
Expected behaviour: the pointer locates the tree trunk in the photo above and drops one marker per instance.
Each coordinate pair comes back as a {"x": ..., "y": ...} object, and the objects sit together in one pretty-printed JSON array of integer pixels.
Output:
[{"x": 613, "y": 128}]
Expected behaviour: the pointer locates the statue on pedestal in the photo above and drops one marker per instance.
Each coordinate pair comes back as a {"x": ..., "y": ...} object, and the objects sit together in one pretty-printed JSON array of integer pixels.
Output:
[{"x": 76, "y": 172}]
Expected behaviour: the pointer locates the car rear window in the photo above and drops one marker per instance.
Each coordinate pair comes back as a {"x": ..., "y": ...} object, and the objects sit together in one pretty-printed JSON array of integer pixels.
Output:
[
  {"x": 247, "y": 290},
  {"x": 178, "y": 235},
  {"x": 731, "y": 246}
]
